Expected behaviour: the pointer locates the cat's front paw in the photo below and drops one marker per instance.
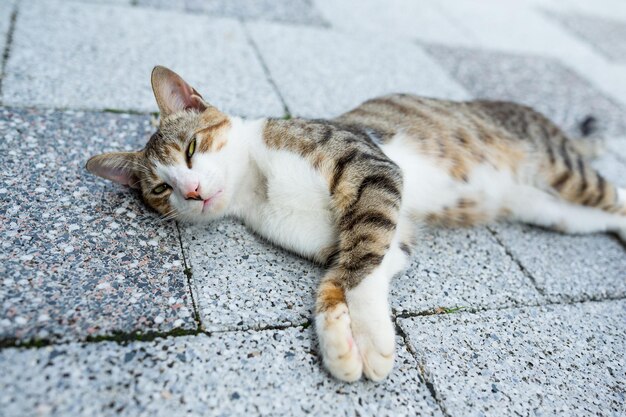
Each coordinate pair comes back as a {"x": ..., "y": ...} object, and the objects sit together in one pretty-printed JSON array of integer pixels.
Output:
[
  {"x": 375, "y": 339},
  {"x": 340, "y": 352}
]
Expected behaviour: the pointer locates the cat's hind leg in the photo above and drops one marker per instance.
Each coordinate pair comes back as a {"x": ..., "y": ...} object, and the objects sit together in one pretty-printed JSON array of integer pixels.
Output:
[{"x": 532, "y": 205}]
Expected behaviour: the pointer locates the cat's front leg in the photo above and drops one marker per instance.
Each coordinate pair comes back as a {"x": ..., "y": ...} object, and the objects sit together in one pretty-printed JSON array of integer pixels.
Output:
[{"x": 355, "y": 331}]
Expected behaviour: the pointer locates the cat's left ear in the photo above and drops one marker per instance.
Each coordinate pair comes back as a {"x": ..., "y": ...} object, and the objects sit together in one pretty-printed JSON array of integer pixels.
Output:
[
  {"x": 173, "y": 94},
  {"x": 120, "y": 167}
]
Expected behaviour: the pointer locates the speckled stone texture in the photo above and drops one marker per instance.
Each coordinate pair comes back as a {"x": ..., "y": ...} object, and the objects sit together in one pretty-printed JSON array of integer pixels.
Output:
[
  {"x": 543, "y": 83},
  {"x": 287, "y": 11},
  {"x": 6, "y": 9},
  {"x": 269, "y": 373},
  {"x": 423, "y": 20},
  {"x": 98, "y": 71},
  {"x": 242, "y": 281},
  {"x": 563, "y": 360},
  {"x": 79, "y": 256},
  {"x": 300, "y": 12},
  {"x": 321, "y": 73},
  {"x": 572, "y": 268},
  {"x": 606, "y": 35},
  {"x": 460, "y": 268}
]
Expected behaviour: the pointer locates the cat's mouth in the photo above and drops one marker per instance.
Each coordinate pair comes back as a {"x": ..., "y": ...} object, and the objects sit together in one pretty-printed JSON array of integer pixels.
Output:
[{"x": 208, "y": 202}]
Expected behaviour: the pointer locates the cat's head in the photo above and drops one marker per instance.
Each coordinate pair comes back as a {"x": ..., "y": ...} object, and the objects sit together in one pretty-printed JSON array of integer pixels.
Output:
[{"x": 183, "y": 171}]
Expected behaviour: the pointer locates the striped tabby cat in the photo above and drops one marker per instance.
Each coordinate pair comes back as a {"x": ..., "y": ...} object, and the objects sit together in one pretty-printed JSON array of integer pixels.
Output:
[{"x": 348, "y": 192}]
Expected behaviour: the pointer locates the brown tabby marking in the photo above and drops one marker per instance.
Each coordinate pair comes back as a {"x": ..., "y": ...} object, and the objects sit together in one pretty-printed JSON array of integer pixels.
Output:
[
  {"x": 364, "y": 186},
  {"x": 447, "y": 131},
  {"x": 329, "y": 294},
  {"x": 212, "y": 135},
  {"x": 464, "y": 213}
]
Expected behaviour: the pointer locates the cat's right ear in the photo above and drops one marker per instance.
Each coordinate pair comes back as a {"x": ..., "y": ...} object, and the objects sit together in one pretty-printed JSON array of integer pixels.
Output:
[
  {"x": 173, "y": 94},
  {"x": 120, "y": 167}
]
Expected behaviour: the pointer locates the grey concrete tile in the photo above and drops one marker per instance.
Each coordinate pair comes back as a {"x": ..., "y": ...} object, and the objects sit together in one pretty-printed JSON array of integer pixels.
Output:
[
  {"x": 554, "y": 360},
  {"x": 611, "y": 9},
  {"x": 608, "y": 36},
  {"x": 117, "y": 2},
  {"x": 113, "y": 71},
  {"x": 542, "y": 83},
  {"x": 286, "y": 11},
  {"x": 518, "y": 26},
  {"x": 460, "y": 268},
  {"x": 567, "y": 267},
  {"x": 524, "y": 27},
  {"x": 80, "y": 257},
  {"x": 269, "y": 373},
  {"x": 617, "y": 147},
  {"x": 398, "y": 18},
  {"x": 242, "y": 281},
  {"x": 322, "y": 73},
  {"x": 6, "y": 9}
]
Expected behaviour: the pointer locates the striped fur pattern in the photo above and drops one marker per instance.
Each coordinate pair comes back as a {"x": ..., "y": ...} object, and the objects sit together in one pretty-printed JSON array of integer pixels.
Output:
[{"x": 349, "y": 192}]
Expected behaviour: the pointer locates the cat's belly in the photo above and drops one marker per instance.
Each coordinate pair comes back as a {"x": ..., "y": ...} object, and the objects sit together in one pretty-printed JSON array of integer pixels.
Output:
[
  {"x": 295, "y": 212},
  {"x": 431, "y": 194}
]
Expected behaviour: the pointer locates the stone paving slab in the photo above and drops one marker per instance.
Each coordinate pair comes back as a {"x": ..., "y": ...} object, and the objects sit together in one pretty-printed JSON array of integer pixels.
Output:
[
  {"x": 611, "y": 9},
  {"x": 400, "y": 18},
  {"x": 524, "y": 27},
  {"x": 553, "y": 360},
  {"x": 321, "y": 73},
  {"x": 241, "y": 281},
  {"x": 89, "y": 71},
  {"x": 80, "y": 257},
  {"x": 460, "y": 268},
  {"x": 509, "y": 26},
  {"x": 543, "y": 83},
  {"x": 270, "y": 373},
  {"x": 6, "y": 10},
  {"x": 608, "y": 36},
  {"x": 567, "y": 267},
  {"x": 287, "y": 11}
]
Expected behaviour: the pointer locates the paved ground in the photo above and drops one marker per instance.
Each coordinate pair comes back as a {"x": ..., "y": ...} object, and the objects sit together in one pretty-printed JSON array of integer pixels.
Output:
[{"x": 106, "y": 310}]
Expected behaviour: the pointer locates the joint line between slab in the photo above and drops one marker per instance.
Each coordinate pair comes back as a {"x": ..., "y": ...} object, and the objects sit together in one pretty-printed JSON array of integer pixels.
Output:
[
  {"x": 428, "y": 313},
  {"x": 422, "y": 372},
  {"x": 510, "y": 254},
  {"x": 7, "y": 48},
  {"x": 188, "y": 274},
  {"x": 266, "y": 69}
]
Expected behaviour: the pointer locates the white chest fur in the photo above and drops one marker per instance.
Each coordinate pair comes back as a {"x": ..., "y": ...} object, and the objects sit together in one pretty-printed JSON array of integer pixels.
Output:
[{"x": 292, "y": 204}]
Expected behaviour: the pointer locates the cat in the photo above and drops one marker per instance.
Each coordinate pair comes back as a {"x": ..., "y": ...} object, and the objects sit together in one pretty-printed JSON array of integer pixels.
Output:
[{"x": 350, "y": 191}]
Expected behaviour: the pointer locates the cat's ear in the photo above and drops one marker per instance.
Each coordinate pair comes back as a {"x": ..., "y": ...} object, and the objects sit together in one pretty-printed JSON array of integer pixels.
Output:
[
  {"x": 173, "y": 94},
  {"x": 116, "y": 166}
]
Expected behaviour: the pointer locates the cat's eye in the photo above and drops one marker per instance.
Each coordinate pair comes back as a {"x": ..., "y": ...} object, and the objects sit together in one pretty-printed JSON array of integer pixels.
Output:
[
  {"x": 191, "y": 149},
  {"x": 160, "y": 189}
]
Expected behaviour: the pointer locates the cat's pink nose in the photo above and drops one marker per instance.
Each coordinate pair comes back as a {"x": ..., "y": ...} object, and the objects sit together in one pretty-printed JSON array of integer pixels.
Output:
[{"x": 193, "y": 195}]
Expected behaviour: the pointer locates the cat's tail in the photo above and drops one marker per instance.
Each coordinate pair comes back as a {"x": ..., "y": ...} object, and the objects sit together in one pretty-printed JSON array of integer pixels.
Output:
[
  {"x": 571, "y": 175},
  {"x": 587, "y": 143}
]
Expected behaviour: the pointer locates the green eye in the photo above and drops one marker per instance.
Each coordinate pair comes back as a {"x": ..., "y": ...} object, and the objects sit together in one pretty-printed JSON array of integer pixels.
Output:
[
  {"x": 191, "y": 149},
  {"x": 160, "y": 189}
]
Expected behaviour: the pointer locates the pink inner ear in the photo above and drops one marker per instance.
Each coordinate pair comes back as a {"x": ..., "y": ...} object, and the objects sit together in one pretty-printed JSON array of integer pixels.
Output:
[
  {"x": 118, "y": 174},
  {"x": 183, "y": 91},
  {"x": 123, "y": 176}
]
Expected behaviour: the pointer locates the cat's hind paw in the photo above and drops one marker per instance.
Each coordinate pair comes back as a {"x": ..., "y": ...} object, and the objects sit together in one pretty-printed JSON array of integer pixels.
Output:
[{"x": 339, "y": 350}]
